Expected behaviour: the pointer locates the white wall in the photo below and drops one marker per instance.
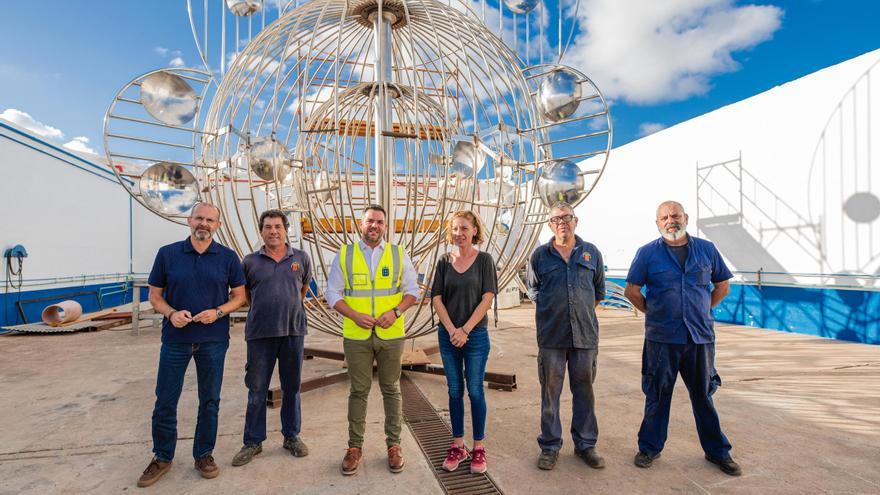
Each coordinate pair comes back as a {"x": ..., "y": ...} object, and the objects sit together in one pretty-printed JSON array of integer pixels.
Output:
[
  {"x": 776, "y": 131},
  {"x": 71, "y": 215}
]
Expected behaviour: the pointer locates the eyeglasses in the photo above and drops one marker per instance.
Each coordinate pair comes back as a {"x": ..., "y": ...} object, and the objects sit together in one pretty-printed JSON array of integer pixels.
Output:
[{"x": 562, "y": 218}]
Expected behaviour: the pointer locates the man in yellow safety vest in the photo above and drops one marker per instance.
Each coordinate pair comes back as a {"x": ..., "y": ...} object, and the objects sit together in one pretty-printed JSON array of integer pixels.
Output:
[{"x": 371, "y": 283}]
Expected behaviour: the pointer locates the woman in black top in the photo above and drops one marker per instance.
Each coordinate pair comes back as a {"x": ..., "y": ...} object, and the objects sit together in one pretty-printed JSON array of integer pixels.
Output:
[{"x": 464, "y": 286}]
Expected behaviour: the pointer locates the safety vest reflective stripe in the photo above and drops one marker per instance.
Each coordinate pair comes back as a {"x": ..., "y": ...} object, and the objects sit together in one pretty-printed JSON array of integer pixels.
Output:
[
  {"x": 395, "y": 279},
  {"x": 370, "y": 292}
]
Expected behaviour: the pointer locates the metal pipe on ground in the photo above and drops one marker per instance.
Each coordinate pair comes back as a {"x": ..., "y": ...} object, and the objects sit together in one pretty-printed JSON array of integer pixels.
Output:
[{"x": 61, "y": 313}]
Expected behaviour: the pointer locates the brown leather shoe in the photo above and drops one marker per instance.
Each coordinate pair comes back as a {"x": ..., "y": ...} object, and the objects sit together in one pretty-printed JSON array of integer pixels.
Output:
[
  {"x": 352, "y": 461},
  {"x": 395, "y": 459},
  {"x": 207, "y": 467},
  {"x": 155, "y": 470}
]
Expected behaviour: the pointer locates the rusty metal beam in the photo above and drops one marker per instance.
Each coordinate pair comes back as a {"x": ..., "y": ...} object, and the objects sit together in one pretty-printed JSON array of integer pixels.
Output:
[
  {"x": 494, "y": 380},
  {"x": 273, "y": 400}
]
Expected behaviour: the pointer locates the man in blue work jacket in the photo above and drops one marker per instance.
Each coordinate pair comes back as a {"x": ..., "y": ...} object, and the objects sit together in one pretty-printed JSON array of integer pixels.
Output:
[
  {"x": 685, "y": 278},
  {"x": 566, "y": 280}
]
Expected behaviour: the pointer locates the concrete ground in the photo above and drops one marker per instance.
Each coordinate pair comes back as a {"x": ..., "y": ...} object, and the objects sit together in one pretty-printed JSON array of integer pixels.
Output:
[{"x": 802, "y": 413}]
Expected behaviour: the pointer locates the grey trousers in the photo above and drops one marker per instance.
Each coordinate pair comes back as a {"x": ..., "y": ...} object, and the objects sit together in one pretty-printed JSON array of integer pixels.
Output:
[{"x": 581, "y": 364}]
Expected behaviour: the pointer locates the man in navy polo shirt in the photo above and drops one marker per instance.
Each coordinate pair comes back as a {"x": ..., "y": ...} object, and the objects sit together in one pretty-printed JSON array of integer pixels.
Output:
[
  {"x": 685, "y": 278},
  {"x": 566, "y": 280},
  {"x": 190, "y": 286},
  {"x": 278, "y": 277}
]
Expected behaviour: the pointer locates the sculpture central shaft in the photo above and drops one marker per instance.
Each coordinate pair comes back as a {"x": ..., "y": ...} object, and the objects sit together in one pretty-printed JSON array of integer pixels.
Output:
[{"x": 384, "y": 145}]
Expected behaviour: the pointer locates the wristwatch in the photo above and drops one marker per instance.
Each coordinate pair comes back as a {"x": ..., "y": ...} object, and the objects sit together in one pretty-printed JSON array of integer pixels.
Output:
[
  {"x": 220, "y": 313},
  {"x": 396, "y": 311}
]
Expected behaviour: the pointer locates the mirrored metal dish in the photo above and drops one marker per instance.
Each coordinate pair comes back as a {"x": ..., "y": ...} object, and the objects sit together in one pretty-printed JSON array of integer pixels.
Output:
[
  {"x": 521, "y": 6},
  {"x": 269, "y": 159},
  {"x": 169, "y": 189},
  {"x": 169, "y": 98},
  {"x": 559, "y": 95},
  {"x": 466, "y": 159},
  {"x": 244, "y": 8},
  {"x": 560, "y": 181}
]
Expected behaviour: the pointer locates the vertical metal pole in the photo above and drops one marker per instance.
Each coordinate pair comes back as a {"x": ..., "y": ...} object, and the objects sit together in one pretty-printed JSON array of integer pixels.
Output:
[
  {"x": 222, "y": 40},
  {"x": 559, "y": 35},
  {"x": 741, "y": 214},
  {"x": 698, "y": 199},
  {"x": 383, "y": 161},
  {"x": 135, "y": 309}
]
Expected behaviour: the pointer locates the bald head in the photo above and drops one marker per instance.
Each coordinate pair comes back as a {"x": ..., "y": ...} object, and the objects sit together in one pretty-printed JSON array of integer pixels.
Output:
[
  {"x": 669, "y": 204},
  {"x": 672, "y": 222}
]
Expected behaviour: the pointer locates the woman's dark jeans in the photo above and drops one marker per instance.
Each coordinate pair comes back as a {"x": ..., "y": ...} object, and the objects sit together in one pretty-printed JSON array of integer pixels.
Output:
[{"x": 467, "y": 362}]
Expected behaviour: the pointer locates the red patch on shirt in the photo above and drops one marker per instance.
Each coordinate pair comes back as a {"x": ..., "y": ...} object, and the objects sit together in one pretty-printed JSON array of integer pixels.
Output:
[
  {"x": 586, "y": 256},
  {"x": 295, "y": 266}
]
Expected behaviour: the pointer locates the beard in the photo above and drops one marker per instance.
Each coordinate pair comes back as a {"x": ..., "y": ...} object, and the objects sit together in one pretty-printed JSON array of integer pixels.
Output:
[
  {"x": 202, "y": 234},
  {"x": 681, "y": 231},
  {"x": 372, "y": 235}
]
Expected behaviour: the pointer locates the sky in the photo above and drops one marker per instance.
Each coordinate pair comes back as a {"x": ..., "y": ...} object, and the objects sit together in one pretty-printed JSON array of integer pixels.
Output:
[{"x": 659, "y": 62}]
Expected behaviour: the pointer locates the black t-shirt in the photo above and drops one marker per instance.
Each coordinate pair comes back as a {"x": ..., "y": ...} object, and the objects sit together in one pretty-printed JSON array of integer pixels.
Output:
[
  {"x": 680, "y": 252},
  {"x": 462, "y": 292}
]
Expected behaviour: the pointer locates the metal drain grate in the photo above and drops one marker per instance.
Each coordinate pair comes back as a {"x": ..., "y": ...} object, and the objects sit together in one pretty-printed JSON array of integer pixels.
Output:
[{"x": 434, "y": 437}]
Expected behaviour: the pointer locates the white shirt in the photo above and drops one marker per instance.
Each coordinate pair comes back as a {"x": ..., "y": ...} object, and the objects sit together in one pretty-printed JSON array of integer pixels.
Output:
[{"x": 336, "y": 283}]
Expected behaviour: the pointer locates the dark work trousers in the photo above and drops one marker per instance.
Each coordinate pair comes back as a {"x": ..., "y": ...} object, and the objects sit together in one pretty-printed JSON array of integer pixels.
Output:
[
  {"x": 261, "y": 357},
  {"x": 581, "y": 365},
  {"x": 661, "y": 363}
]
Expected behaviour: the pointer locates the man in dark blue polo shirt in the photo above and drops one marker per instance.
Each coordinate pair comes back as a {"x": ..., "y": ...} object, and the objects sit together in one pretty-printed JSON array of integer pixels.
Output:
[
  {"x": 278, "y": 277},
  {"x": 566, "y": 280},
  {"x": 677, "y": 270},
  {"x": 190, "y": 286}
]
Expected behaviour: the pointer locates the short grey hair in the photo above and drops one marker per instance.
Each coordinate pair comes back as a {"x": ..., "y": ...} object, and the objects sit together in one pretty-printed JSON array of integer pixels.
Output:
[
  {"x": 668, "y": 203},
  {"x": 563, "y": 205},
  {"x": 209, "y": 205}
]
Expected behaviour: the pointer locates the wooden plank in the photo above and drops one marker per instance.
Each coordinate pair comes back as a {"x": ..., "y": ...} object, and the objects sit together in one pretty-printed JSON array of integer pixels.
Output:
[
  {"x": 359, "y": 128},
  {"x": 335, "y": 225},
  {"x": 88, "y": 316}
]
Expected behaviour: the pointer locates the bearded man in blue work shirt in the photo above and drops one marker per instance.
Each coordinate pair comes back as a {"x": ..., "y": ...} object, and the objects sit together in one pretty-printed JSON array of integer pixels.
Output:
[
  {"x": 677, "y": 270},
  {"x": 190, "y": 286},
  {"x": 278, "y": 277},
  {"x": 566, "y": 280}
]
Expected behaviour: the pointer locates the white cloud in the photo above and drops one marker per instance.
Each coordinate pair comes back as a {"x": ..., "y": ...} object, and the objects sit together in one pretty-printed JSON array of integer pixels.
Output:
[
  {"x": 80, "y": 144},
  {"x": 647, "y": 128},
  {"x": 670, "y": 49},
  {"x": 24, "y": 120},
  {"x": 175, "y": 55}
]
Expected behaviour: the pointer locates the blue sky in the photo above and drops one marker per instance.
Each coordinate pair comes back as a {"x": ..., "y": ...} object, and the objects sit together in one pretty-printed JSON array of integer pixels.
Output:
[{"x": 659, "y": 62}]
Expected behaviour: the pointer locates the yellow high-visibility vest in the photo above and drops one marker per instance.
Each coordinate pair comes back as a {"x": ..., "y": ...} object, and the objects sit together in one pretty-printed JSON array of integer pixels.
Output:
[{"x": 372, "y": 296}]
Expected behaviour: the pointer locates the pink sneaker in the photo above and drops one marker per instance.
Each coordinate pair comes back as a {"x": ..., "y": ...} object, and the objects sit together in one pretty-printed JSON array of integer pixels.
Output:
[
  {"x": 454, "y": 457},
  {"x": 478, "y": 462}
]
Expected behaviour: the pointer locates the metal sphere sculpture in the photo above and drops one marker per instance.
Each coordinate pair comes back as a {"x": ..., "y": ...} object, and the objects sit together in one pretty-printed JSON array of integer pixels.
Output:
[{"x": 413, "y": 104}]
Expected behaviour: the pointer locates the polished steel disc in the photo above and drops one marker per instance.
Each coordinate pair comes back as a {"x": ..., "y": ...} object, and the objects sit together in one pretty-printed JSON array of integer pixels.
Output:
[
  {"x": 559, "y": 95},
  {"x": 560, "y": 181},
  {"x": 244, "y": 8},
  {"x": 269, "y": 159},
  {"x": 169, "y": 98},
  {"x": 169, "y": 189},
  {"x": 466, "y": 159},
  {"x": 521, "y": 6}
]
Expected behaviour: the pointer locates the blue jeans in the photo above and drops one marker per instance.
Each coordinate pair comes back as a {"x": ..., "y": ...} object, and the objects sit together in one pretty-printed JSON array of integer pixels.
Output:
[
  {"x": 581, "y": 365},
  {"x": 472, "y": 358},
  {"x": 173, "y": 360},
  {"x": 661, "y": 363},
  {"x": 261, "y": 357}
]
